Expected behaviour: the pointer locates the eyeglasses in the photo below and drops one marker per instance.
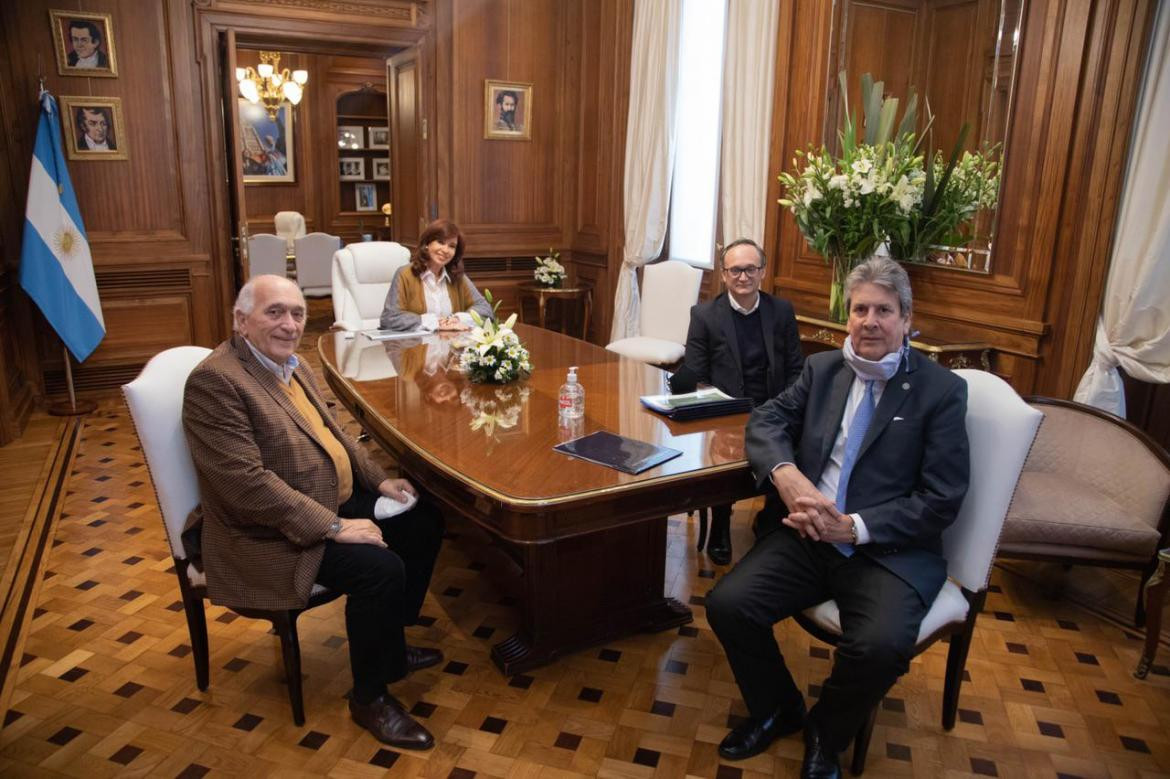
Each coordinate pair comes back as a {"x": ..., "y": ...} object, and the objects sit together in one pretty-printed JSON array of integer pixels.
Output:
[{"x": 745, "y": 270}]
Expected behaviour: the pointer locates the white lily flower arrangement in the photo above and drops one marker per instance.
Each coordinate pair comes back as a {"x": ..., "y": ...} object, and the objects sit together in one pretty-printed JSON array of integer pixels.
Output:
[
  {"x": 881, "y": 188},
  {"x": 494, "y": 354},
  {"x": 549, "y": 271}
]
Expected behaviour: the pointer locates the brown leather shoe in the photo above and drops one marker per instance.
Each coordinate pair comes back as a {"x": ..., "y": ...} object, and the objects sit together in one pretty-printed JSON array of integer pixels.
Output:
[
  {"x": 420, "y": 657},
  {"x": 390, "y": 723}
]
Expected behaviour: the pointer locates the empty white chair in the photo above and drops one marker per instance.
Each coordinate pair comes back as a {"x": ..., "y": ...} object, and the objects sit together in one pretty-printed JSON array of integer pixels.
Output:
[
  {"x": 314, "y": 252},
  {"x": 669, "y": 289},
  {"x": 362, "y": 273},
  {"x": 266, "y": 254},
  {"x": 1000, "y": 430},
  {"x": 290, "y": 226}
]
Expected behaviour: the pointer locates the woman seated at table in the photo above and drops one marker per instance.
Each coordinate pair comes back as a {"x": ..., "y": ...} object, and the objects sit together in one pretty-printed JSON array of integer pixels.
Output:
[{"x": 433, "y": 292}]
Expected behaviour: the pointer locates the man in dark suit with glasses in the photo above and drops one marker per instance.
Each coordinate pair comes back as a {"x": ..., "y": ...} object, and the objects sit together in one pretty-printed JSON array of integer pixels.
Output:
[{"x": 744, "y": 342}]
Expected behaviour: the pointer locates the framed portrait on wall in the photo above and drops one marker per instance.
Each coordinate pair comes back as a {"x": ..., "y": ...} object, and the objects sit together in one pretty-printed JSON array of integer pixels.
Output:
[
  {"x": 507, "y": 110},
  {"x": 351, "y": 168},
  {"x": 94, "y": 128},
  {"x": 379, "y": 137},
  {"x": 266, "y": 144},
  {"x": 351, "y": 136},
  {"x": 381, "y": 170},
  {"x": 366, "y": 196},
  {"x": 84, "y": 43}
]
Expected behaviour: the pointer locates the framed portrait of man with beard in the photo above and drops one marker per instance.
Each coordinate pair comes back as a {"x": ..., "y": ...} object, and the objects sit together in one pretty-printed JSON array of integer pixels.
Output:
[{"x": 507, "y": 110}]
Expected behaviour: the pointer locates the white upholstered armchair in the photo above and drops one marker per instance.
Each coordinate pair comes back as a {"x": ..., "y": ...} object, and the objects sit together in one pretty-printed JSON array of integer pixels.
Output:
[
  {"x": 669, "y": 289},
  {"x": 362, "y": 273}
]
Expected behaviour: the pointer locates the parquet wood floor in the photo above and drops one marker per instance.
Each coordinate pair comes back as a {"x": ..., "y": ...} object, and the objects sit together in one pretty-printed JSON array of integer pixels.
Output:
[{"x": 106, "y": 685}]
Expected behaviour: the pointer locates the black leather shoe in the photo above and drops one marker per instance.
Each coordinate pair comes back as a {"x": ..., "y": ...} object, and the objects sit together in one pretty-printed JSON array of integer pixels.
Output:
[
  {"x": 390, "y": 723},
  {"x": 420, "y": 657},
  {"x": 820, "y": 762},
  {"x": 754, "y": 736},
  {"x": 719, "y": 545}
]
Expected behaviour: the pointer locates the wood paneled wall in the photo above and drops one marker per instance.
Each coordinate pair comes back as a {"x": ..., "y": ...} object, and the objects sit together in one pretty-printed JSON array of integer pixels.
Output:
[
  {"x": 159, "y": 222},
  {"x": 1079, "y": 75},
  {"x": 146, "y": 216}
]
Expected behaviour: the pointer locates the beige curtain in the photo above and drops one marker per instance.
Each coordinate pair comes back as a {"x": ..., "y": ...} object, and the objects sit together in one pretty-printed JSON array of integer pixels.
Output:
[
  {"x": 748, "y": 73},
  {"x": 649, "y": 150},
  {"x": 1133, "y": 330}
]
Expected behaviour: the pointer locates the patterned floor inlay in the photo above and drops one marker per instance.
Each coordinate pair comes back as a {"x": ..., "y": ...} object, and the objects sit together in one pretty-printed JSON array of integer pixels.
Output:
[{"x": 106, "y": 686}]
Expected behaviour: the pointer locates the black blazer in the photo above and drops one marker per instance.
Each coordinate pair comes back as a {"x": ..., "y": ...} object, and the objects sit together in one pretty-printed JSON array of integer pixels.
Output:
[
  {"x": 713, "y": 350},
  {"x": 913, "y": 468}
]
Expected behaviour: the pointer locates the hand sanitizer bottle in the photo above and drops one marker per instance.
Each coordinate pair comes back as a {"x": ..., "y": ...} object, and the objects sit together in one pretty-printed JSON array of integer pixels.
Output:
[{"x": 571, "y": 398}]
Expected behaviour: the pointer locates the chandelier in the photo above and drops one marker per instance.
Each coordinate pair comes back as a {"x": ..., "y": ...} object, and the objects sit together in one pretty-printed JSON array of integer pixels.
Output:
[{"x": 269, "y": 85}]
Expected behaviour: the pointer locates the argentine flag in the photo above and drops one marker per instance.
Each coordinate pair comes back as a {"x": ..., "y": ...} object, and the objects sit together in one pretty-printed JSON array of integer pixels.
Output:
[{"x": 56, "y": 268}]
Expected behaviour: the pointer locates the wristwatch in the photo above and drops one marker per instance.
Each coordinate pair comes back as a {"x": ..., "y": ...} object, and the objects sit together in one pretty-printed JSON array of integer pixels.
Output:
[
  {"x": 335, "y": 528},
  {"x": 853, "y": 530}
]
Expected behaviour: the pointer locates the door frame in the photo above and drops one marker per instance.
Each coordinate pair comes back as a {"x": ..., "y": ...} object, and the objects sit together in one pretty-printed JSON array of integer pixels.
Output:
[{"x": 255, "y": 29}]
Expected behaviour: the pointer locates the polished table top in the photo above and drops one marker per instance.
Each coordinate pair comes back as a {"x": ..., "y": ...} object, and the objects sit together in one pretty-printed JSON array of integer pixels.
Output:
[{"x": 498, "y": 439}]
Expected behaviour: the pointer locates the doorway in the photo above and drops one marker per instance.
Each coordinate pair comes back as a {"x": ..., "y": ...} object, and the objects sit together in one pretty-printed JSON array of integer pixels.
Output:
[{"x": 329, "y": 160}]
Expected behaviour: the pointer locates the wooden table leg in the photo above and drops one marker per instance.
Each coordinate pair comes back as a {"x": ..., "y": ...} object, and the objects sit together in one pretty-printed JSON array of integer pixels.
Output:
[{"x": 1155, "y": 593}]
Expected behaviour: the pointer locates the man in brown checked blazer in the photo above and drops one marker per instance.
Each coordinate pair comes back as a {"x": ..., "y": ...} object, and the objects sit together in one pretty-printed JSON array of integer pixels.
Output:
[{"x": 288, "y": 501}]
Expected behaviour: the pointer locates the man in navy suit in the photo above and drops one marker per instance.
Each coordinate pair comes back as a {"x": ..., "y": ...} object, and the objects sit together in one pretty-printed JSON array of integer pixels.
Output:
[
  {"x": 745, "y": 342},
  {"x": 868, "y": 452}
]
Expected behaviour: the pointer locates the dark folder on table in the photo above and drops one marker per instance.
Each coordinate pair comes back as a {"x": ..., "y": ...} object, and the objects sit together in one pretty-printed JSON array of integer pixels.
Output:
[{"x": 617, "y": 451}]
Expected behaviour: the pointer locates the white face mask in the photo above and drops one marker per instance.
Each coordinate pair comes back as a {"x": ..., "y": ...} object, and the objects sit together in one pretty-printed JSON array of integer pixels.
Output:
[{"x": 880, "y": 370}]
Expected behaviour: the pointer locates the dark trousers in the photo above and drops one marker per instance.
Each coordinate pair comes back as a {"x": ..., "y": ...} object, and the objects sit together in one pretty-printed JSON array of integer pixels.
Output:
[
  {"x": 385, "y": 588},
  {"x": 782, "y": 575}
]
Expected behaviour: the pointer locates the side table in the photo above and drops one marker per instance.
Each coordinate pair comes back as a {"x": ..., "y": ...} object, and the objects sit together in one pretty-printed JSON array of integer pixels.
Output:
[
  {"x": 821, "y": 334},
  {"x": 581, "y": 291}
]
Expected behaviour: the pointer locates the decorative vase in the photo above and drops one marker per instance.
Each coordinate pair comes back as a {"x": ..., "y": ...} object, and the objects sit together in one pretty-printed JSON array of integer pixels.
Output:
[{"x": 838, "y": 311}]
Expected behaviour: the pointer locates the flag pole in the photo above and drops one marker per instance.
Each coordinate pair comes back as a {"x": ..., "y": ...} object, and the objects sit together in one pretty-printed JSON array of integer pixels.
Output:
[{"x": 59, "y": 408}]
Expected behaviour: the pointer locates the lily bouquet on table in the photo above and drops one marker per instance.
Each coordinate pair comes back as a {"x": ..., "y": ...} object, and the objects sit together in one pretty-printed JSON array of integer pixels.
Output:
[
  {"x": 549, "y": 271},
  {"x": 494, "y": 353}
]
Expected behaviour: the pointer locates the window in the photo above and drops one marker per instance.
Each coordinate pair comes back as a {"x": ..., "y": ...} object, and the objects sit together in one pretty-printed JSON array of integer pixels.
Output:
[{"x": 698, "y": 112}]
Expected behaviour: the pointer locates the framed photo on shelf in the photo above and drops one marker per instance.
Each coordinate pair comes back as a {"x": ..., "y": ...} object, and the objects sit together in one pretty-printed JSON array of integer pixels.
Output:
[
  {"x": 507, "y": 110},
  {"x": 266, "y": 145},
  {"x": 366, "y": 196},
  {"x": 381, "y": 169},
  {"x": 94, "y": 128},
  {"x": 351, "y": 136},
  {"x": 351, "y": 168},
  {"x": 84, "y": 43},
  {"x": 379, "y": 137}
]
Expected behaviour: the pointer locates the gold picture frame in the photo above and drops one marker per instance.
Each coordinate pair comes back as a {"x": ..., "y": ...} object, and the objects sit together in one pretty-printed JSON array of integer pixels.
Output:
[
  {"x": 90, "y": 27},
  {"x": 504, "y": 122},
  {"x": 82, "y": 120}
]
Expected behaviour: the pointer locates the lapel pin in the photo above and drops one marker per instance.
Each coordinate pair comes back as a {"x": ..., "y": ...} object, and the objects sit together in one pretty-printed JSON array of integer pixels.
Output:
[{"x": 905, "y": 385}]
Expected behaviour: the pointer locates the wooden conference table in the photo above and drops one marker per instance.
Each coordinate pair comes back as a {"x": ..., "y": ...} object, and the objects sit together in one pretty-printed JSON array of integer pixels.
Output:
[{"x": 591, "y": 541}]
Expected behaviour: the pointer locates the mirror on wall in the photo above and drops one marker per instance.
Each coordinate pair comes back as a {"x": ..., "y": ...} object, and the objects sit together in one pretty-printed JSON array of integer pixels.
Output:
[{"x": 960, "y": 56}]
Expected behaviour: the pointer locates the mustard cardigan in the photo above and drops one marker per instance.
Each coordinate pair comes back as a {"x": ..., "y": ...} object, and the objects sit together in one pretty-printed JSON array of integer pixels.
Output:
[{"x": 406, "y": 301}]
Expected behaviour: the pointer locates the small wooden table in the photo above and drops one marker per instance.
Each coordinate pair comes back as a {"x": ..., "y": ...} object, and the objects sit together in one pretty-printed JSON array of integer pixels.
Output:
[{"x": 582, "y": 291}]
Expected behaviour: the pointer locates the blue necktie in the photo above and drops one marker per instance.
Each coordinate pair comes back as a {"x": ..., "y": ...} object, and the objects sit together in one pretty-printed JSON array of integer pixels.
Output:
[{"x": 861, "y": 419}]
